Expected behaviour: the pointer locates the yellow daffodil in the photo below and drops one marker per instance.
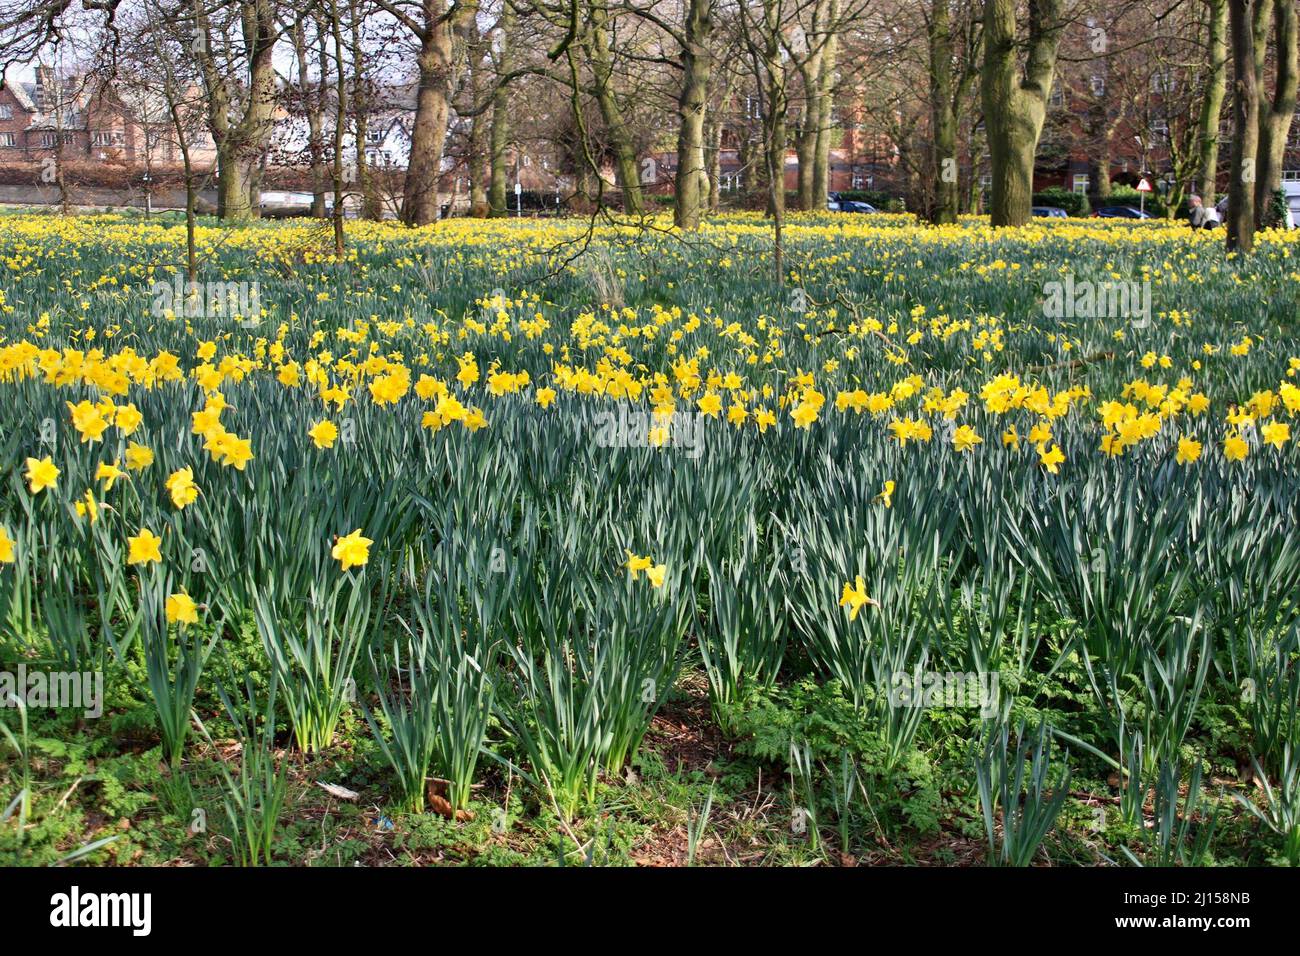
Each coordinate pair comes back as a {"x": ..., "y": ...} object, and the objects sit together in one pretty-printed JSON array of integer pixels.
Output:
[
  {"x": 180, "y": 484},
  {"x": 143, "y": 548},
  {"x": 635, "y": 564},
  {"x": 1188, "y": 450},
  {"x": 41, "y": 474},
  {"x": 854, "y": 597},
  {"x": 181, "y": 609},
  {"x": 352, "y": 550},
  {"x": 1051, "y": 458},
  {"x": 323, "y": 434},
  {"x": 887, "y": 495},
  {"x": 965, "y": 438},
  {"x": 138, "y": 457}
]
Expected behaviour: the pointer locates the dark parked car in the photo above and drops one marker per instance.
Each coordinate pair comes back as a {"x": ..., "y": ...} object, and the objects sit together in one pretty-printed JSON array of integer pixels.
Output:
[
  {"x": 1051, "y": 212},
  {"x": 854, "y": 205},
  {"x": 1121, "y": 212}
]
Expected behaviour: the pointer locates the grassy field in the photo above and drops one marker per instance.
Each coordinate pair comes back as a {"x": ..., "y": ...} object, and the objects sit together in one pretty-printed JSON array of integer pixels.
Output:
[{"x": 512, "y": 542}]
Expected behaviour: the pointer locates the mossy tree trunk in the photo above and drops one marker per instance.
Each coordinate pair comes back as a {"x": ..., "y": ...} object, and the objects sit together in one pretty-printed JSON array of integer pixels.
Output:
[
  {"x": 943, "y": 118},
  {"x": 691, "y": 191},
  {"x": 1216, "y": 81},
  {"x": 1015, "y": 100},
  {"x": 1275, "y": 110}
]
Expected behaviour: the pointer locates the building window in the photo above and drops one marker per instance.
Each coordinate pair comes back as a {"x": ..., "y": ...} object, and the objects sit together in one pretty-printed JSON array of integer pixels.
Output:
[
  {"x": 48, "y": 140},
  {"x": 1079, "y": 183},
  {"x": 1162, "y": 82},
  {"x": 8, "y": 139},
  {"x": 1291, "y": 175},
  {"x": 1057, "y": 97},
  {"x": 1098, "y": 83},
  {"x": 1159, "y": 128},
  {"x": 6, "y": 111},
  {"x": 374, "y": 136}
]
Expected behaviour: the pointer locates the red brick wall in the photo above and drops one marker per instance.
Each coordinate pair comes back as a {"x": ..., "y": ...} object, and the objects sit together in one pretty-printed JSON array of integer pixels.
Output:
[{"x": 15, "y": 124}]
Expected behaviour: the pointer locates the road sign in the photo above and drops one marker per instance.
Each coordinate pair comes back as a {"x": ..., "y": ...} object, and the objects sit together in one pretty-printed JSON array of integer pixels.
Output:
[{"x": 1143, "y": 186}]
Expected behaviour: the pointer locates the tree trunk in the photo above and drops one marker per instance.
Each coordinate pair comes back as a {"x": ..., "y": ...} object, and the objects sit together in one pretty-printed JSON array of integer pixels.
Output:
[
  {"x": 775, "y": 162},
  {"x": 371, "y": 204},
  {"x": 479, "y": 146},
  {"x": 692, "y": 187},
  {"x": 975, "y": 185},
  {"x": 1102, "y": 171},
  {"x": 620, "y": 140},
  {"x": 234, "y": 187},
  {"x": 1015, "y": 103},
  {"x": 713, "y": 136},
  {"x": 777, "y": 104},
  {"x": 805, "y": 149},
  {"x": 1275, "y": 112},
  {"x": 1245, "y": 115},
  {"x": 241, "y": 143},
  {"x": 942, "y": 116},
  {"x": 500, "y": 140},
  {"x": 340, "y": 127},
  {"x": 311, "y": 107},
  {"x": 821, "y": 183},
  {"x": 811, "y": 71},
  {"x": 752, "y": 169},
  {"x": 497, "y": 152},
  {"x": 1216, "y": 78},
  {"x": 429, "y": 135}
]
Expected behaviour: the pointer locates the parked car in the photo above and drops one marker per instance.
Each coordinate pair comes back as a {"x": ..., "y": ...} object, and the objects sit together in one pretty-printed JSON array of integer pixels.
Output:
[
  {"x": 1051, "y": 212},
  {"x": 854, "y": 205},
  {"x": 1121, "y": 212}
]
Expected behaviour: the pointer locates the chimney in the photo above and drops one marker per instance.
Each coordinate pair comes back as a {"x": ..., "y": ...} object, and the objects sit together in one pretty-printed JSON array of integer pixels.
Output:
[{"x": 45, "y": 88}]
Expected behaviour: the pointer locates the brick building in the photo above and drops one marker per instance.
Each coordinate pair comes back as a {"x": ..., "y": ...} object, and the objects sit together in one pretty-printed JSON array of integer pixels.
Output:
[{"x": 83, "y": 121}]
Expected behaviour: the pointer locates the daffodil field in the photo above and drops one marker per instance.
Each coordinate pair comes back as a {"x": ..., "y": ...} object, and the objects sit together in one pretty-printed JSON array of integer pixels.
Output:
[{"x": 543, "y": 543}]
